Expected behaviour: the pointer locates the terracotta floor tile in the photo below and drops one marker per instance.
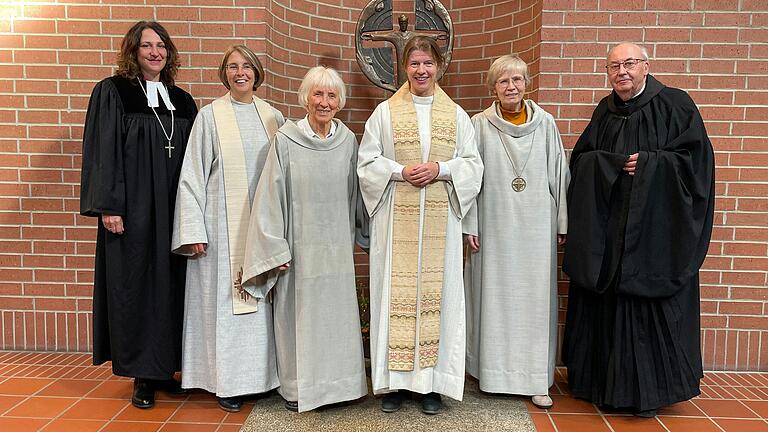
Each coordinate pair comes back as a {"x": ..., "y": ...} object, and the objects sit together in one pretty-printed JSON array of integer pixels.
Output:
[
  {"x": 23, "y": 386},
  {"x": 113, "y": 390},
  {"x": 163, "y": 396},
  {"x": 45, "y": 407},
  {"x": 128, "y": 426},
  {"x": 579, "y": 423},
  {"x": 760, "y": 407},
  {"x": 236, "y": 428},
  {"x": 689, "y": 424},
  {"x": 738, "y": 425},
  {"x": 682, "y": 409},
  {"x": 200, "y": 395},
  {"x": 567, "y": 404},
  {"x": 69, "y": 388},
  {"x": 161, "y": 412},
  {"x": 69, "y": 425},
  {"x": 239, "y": 417},
  {"x": 199, "y": 412},
  {"x": 724, "y": 408},
  {"x": 189, "y": 427},
  {"x": 18, "y": 424},
  {"x": 95, "y": 409},
  {"x": 542, "y": 423},
  {"x": 632, "y": 423},
  {"x": 8, "y": 402}
]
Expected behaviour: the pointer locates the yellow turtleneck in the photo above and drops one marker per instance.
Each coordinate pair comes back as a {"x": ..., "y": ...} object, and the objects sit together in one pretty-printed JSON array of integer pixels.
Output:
[{"x": 515, "y": 117}]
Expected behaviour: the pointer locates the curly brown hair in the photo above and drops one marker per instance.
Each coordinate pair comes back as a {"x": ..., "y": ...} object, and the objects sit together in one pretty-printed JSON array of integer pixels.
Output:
[{"x": 128, "y": 63}]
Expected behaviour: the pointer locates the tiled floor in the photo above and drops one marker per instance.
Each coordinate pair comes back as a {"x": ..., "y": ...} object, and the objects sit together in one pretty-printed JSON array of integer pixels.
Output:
[
  {"x": 64, "y": 392},
  {"x": 729, "y": 402}
]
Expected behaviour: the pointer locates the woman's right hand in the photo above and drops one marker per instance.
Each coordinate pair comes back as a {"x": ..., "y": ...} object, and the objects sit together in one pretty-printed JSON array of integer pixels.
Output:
[
  {"x": 113, "y": 224},
  {"x": 473, "y": 242},
  {"x": 198, "y": 249}
]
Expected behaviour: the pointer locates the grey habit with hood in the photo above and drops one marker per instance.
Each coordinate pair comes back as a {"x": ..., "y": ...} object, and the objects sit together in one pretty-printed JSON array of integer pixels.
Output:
[
  {"x": 304, "y": 213},
  {"x": 511, "y": 283}
]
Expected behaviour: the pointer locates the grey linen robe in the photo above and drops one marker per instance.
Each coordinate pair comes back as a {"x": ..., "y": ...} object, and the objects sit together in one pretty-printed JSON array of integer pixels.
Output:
[
  {"x": 223, "y": 353},
  {"x": 511, "y": 283},
  {"x": 304, "y": 213}
]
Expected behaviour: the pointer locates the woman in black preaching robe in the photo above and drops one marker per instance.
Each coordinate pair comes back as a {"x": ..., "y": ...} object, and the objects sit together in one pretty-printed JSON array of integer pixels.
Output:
[
  {"x": 136, "y": 130},
  {"x": 635, "y": 246}
]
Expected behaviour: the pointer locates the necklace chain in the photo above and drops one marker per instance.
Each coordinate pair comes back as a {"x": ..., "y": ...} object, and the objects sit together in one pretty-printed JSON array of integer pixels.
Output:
[
  {"x": 168, "y": 137},
  {"x": 511, "y": 160}
]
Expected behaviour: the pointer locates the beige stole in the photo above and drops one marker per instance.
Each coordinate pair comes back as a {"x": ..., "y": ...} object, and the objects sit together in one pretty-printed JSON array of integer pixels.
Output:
[
  {"x": 411, "y": 283},
  {"x": 236, "y": 190}
]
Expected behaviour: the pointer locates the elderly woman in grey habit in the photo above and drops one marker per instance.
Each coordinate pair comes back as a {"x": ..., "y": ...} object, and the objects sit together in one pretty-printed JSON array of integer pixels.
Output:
[
  {"x": 300, "y": 246},
  {"x": 513, "y": 231}
]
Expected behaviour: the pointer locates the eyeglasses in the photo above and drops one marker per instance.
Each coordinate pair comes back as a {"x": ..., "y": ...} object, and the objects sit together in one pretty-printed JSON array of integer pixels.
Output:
[
  {"x": 234, "y": 67},
  {"x": 628, "y": 64},
  {"x": 517, "y": 80}
]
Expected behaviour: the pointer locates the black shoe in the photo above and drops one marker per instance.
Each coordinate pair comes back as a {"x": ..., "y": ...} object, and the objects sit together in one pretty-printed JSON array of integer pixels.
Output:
[
  {"x": 230, "y": 404},
  {"x": 431, "y": 404},
  {"x": 171, "y": 386},
  {"x": 143, "y": 394},
  {"x": 651, "y": 413},
  {"x": 392, "y": 401},
  {"x": 292, "y": 406}
]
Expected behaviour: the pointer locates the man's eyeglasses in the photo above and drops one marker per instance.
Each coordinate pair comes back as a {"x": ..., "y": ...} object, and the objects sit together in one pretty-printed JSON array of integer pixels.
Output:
[{"x": 628, "y": 64}]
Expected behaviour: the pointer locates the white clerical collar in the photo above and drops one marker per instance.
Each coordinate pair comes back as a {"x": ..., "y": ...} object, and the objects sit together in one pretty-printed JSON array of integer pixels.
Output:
[
  {"x": 153, "y": 89},
  {"x": 641, "y": 90},
  {"x": 423, "y": 100},
  {"x": 305, "y": 127}
]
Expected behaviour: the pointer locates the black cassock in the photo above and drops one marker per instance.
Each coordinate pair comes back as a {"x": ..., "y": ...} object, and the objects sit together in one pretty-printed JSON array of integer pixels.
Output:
[
  {"x": 635, "y": 246},
  {"x": 138, "y": 293}
]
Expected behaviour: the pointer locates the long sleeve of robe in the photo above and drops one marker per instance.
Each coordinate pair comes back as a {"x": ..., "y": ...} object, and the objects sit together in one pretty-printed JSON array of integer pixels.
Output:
[
  {"x": 126, "y": 171},
  {"x": 223, "y": 353},
  {"x": 511, "y": 282},
  {"x": 376, "y": 164},
  {"x": 304, "y": 212},
  {"x": 634, "y": 250}
]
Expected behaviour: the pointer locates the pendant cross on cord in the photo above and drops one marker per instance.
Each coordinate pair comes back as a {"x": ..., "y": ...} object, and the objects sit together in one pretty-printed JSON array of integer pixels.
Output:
[{"x": 169, "y": 147}]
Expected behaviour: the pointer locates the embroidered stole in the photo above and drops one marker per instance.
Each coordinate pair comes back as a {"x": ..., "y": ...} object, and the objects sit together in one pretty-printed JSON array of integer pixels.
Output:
[
  {"x": 415, "y": 282},
  {"x": 236, "y": 189}
]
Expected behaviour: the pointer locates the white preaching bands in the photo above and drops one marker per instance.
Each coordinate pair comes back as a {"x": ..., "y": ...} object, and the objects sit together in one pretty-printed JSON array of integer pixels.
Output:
[{"x": 153, "y": 89}]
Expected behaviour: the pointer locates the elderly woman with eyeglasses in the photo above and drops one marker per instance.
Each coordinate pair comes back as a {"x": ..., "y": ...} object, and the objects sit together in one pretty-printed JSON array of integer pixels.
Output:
[
  {"x": 300, "y": 250},
  {"x": 513, "y": 232},
  {"x": 228, "y": 343}
]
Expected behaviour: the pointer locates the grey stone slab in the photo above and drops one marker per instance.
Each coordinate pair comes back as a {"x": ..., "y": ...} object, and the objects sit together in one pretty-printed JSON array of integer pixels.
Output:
[{"x": 478, "y": 412}]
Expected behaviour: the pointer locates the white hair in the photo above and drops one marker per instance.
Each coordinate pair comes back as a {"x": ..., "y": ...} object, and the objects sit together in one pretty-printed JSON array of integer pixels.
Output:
[
  {"x": 321, "y": 76},
  {"x": 643, "y": 49}
]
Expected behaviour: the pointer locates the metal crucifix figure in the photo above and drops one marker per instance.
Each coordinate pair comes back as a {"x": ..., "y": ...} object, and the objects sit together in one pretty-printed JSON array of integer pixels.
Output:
[{"x": 375, "y": 25}]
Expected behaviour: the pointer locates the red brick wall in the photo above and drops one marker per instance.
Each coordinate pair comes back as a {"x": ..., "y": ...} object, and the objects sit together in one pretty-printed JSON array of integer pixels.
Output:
[
  {"x": 718, "y": 52},
  {"x": 52, "y": 54}
]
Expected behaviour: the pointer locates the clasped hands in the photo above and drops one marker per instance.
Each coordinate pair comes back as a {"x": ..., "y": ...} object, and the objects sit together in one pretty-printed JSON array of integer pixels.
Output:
[
  {"x": 631, "y": 164},
  {"x": 420, "y": 175}
]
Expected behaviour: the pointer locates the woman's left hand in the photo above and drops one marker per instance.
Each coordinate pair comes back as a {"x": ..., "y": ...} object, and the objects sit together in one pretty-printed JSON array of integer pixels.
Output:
[{"x": 561, "y": 239}]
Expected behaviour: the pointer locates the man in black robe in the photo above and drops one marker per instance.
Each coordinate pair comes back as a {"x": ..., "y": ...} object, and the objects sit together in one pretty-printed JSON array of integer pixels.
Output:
[{"x": 640, "y": 209}]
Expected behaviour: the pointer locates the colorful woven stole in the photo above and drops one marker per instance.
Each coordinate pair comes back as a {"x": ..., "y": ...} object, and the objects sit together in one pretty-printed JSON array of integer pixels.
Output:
[{"x": 411, "y": 284}]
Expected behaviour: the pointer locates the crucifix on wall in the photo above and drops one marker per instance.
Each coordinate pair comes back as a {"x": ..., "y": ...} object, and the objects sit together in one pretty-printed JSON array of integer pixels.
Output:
[{"x": 382, "y": 65}]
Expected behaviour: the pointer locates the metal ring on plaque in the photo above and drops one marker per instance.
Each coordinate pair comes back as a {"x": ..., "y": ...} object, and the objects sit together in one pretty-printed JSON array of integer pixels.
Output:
[{"x": 375, "y": 25}]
